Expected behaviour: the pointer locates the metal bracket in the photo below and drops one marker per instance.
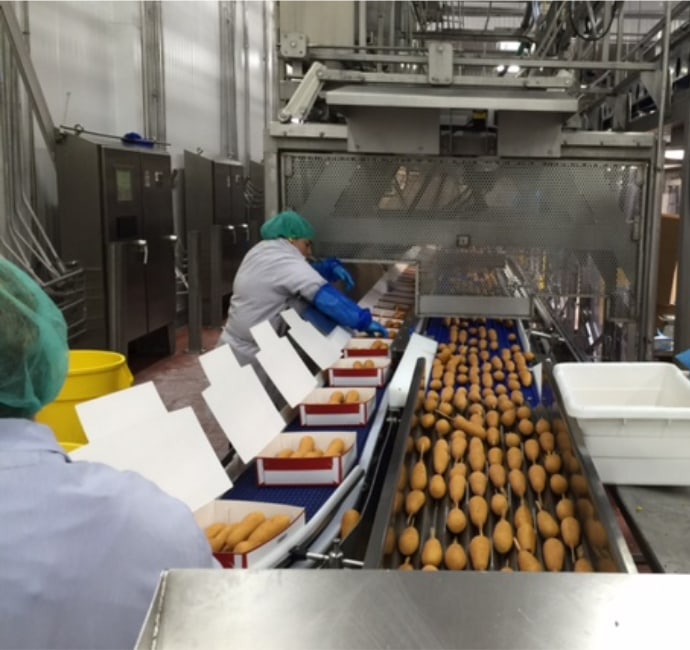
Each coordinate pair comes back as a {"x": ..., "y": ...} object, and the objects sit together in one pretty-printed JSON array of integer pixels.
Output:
[
  {"x": 293, "y": 45},
  {"x": 304, "y": 97},
  {"x": 335, "y": 559},
  {"x": 440, "y": 64}
]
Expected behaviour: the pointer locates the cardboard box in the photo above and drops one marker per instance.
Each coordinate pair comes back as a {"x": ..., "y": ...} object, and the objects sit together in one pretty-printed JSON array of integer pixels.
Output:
[
  {"x": 230, "y": 512},
  {"x": 324, "y": 470},
  {"x": 316, "y": 410},
  {"x": 343, "y": 372},
  {"x": 361, "y": 347},
  {"x": 668, "y": 261}
]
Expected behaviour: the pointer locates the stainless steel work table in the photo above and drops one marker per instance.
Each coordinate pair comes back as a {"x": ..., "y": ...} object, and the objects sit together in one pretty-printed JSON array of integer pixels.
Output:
[
  {"x": 326, "y": 609},
  {"x": 659, "y": 517}
]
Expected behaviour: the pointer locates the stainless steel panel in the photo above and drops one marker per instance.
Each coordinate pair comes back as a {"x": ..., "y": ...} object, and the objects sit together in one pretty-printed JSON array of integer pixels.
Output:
[
  {"x": 391, "y": 609},
  {"x": 322, "y": 22},
  {"x": 489, "y": 306},
  {"x": 158, "y": 231},
  {"x": 419, "y": 97},
  {"x": 405, "y": 131},
  {"x": 529, "y": 135},
  {"x": 81, "y": 229}
]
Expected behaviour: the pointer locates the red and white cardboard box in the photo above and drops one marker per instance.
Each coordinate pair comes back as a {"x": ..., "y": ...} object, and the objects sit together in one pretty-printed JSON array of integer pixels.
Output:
[
  {"x": 223, "y": 511},
  {"x": 324, "y": 470},
  {"x": 344, "y": 373},
  {"x": 316, "y": 410},
  {"x": 362, "y": 348}
]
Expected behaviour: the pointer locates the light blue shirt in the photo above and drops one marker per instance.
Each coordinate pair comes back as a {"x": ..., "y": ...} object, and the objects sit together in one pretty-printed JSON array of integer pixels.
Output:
[
  {"x": 271, "y": 276},
  {"x": 82, "y": 545}
]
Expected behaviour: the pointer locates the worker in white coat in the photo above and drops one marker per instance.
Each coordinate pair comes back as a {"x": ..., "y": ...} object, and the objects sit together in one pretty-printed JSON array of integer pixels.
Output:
[
  {"x": 82, "y": 545},
  {"x": 274, "y": 273}
]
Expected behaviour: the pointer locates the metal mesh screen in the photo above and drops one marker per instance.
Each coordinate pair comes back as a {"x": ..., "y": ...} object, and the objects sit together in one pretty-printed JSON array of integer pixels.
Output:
[{"x": 560, "y": 229}]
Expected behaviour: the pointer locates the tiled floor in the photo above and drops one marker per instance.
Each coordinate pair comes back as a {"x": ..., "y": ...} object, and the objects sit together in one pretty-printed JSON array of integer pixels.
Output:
[{"x": 180, "y": 380}]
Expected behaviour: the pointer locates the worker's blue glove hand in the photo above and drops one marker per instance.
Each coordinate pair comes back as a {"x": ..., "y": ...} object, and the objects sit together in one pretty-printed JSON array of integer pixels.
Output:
[
  {"x": 333, "y": 270},
  {"x": 377, "y": 328},
  {"x": 341, "y": 273}
]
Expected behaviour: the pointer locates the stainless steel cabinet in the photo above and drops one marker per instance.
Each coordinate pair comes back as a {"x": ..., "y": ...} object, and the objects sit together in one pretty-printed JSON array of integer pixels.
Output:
[{"x": 115, "y": 217}]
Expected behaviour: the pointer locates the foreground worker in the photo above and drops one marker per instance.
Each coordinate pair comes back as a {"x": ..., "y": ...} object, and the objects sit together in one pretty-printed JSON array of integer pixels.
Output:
[
  {"x": 275, "y": 273},
  {"x": 82, "y": 545}
]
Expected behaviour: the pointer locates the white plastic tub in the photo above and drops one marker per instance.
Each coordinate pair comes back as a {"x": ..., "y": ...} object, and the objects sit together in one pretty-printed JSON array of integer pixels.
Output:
[{"x": 634, "y": 417}]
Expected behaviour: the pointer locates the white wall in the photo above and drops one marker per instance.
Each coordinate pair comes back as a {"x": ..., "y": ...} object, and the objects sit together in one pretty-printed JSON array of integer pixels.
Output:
[
  {"x": 191, "y": 39},
  {"x": 252, "y": 117},
  {"x": 88, "y": 59}
]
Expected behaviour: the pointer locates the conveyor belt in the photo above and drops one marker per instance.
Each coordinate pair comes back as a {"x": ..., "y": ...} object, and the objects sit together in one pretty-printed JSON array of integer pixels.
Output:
[{"x": 310, "y": 497}]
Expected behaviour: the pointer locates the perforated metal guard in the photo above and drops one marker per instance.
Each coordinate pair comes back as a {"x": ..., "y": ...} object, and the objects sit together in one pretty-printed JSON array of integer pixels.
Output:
[{"x": 562, "y": 230}]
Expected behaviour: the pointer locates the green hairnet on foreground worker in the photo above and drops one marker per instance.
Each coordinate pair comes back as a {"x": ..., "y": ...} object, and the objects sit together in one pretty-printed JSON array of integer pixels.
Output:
[
  {"x": 275, "y": 273},
  {"x": 82, "y": 545}
]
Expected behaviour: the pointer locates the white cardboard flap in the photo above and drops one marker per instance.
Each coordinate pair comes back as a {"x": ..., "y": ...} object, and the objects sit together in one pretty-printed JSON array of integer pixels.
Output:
[
  {"x": 112, "y": 413},
  {"x": 218, "y": 363},
  {"x": 282, "y": 364},
  {"x": 321, "y": 349},
  {"x": 264, "y": 334},
  {"x": 339, "y": 337},
  {"x": 399, "y": 386},
  {"x": 172, "y": 451},
  {"x": 244, "y": 411}
]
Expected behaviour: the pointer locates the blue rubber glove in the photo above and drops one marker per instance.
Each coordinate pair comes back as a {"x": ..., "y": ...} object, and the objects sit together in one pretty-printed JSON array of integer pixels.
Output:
[
  {"x": 341, "y": 309},
  {"x": 377, "y": 328},
  {"x": 341, "y": 273},
  {"x": 333, "y": 270}
]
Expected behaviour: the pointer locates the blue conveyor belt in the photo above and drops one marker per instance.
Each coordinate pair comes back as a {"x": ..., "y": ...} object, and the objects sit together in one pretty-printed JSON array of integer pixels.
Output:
[
  {"x": 309, "y": 497},
  {"x": 437, "y": 330}
]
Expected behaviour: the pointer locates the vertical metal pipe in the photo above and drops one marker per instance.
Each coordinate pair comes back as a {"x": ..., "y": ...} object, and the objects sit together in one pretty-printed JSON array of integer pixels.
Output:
[
  {"x": 379, "y": 36},
  {"x": 266, "y": 60},
  {"x": 153, "y": 70},
  {"x": 606, "y": 41},
  {"x": 362, "y": 28},
  {"x": 649, "y": 309},
  {"x": 276, "y": 69},
  {"x": 228, "y": 81},
  {"x": 246, "y": 85},
  {"x": 681, "y": 331},
  {"x": 619, "y": 42}
]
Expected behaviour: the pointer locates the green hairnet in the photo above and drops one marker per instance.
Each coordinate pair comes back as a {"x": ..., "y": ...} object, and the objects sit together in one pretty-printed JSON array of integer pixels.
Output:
[
  {"x": 34, "y": 355},
  {"x": 288, "y": 225}
]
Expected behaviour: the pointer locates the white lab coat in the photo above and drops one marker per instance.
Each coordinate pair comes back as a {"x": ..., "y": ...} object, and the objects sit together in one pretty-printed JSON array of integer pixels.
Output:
[
  {"x": 82, "y": 545},
  {"x": 272, "y": 275}
]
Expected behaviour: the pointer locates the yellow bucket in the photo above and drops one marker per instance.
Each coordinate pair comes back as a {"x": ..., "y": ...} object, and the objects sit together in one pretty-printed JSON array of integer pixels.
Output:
[{"x": 91, "y": 374}]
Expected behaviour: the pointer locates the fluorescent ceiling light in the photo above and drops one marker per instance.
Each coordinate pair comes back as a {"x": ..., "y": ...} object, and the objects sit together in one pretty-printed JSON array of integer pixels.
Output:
[
  {"x": 513, "y": 68},
  {"x": 674, "y": 154},
  {"x": 500, "y": 68},
  {"x": 509, "y": 46}
]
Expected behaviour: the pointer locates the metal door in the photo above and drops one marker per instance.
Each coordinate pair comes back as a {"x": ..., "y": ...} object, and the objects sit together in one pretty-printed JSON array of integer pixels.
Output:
[
  {"x": 123, "y": 226},
  {"x": 237, "y": 202},
  {"x": 159, "y": 234}
]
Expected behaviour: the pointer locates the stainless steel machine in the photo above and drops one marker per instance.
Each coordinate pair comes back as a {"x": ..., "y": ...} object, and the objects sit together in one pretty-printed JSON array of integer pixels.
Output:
[
  {"x": 426, "y": 131},
  {"x": 215, "y": 207},
  {"x": 115, "y": 218}
]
